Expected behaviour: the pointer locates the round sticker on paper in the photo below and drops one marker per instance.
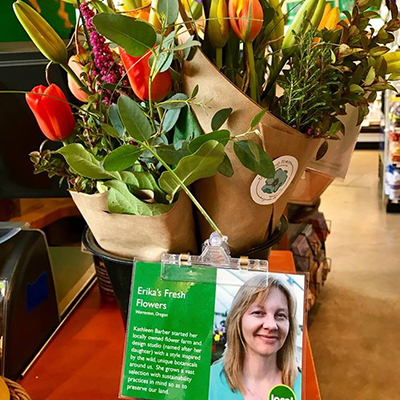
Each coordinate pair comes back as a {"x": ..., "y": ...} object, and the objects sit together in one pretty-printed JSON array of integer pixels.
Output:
[
  {"x": 281, "y": 392},
  {"x": 267, "y": 191}
]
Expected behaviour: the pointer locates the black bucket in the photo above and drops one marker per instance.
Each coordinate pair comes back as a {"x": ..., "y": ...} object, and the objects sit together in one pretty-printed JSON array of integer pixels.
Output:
[{"x": 120, "y": 269}]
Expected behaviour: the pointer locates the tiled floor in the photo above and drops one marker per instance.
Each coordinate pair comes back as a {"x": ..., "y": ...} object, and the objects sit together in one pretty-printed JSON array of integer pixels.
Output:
[{"x": 355, "y": 325}]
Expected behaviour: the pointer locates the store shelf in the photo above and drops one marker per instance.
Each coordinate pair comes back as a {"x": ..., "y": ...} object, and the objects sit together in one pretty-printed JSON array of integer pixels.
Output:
[
  {"x": 40, "y": 212},
  {"x": 310, "y": 188}
]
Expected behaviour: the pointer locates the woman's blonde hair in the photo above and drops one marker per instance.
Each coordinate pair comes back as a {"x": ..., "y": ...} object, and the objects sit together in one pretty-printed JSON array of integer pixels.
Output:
[{"x": 257, "y": 289}]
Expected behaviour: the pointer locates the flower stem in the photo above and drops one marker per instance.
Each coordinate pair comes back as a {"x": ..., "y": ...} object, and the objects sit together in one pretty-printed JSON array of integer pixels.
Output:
[
  {"x": 274, "y": 75},
  {"x": 219, "y": 57},
  {"x": 74, "y": 77},
  {"x": 186, "y": 190},
  {"x": 253, "y": 75}
]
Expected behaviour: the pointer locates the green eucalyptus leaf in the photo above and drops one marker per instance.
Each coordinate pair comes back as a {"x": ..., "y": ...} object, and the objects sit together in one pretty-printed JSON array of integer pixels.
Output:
[
  {"x": 101, "y": 7},
  {"x": 221, "y": 136},
  {"x": 168, "y": 8},
  {"x": 164, "y": 61},
  {"x": 114, "y": 117},
  {"x": 254, "y": 150},
  {"x": 225, "y": 168},
  {"x": 202, "y": 164},
  {"x": 134, "y": 119},
  {"x": 84, "y": 163},
  {"x": 122, "y": 158},
  {"x": 186, "y": 127},
  {"x": 256, "y": 120},
  {"x": 220, "y": 118},
  {"x": 135, "y": 36},
  {"x": 187, "y": 45},
  {"x": 141, "y": 180},
  {"x": 170, "y": 119},
  {"x": 121, "y": 201},
  {"x": 170, "y": 154},
  {"x": 110, "y": 131},
  {"x": 265, "y": 167},
  {"x": 189, "y": 50},
  {"x": 195, "y": 91},
  {"x": 178, "y": 100}
]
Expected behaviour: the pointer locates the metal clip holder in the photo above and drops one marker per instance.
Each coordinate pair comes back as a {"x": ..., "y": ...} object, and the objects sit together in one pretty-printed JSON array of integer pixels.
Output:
[{"x": 215, "y": 254}]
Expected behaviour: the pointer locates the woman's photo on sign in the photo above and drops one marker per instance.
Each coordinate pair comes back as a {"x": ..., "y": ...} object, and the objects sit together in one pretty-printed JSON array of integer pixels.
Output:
[{"x": 257, "y": 335}]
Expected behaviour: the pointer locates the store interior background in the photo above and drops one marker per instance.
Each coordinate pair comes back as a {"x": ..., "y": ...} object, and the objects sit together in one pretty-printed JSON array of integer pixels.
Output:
[{"x": 354, "y": 326}]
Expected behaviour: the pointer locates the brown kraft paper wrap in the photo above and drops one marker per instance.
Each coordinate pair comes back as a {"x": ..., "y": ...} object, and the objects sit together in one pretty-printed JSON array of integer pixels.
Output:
[
  {"x": 228, "y": 200},
  {"x": 144, "y": 237},
  {"x": 337, "y": 159}
]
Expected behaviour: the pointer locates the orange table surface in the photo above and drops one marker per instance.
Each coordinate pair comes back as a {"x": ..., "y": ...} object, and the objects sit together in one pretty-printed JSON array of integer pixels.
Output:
[{"x": 84, "y": 360}]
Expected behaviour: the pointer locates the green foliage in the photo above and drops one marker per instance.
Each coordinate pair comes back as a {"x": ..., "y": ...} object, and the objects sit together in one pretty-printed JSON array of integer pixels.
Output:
[
  {"x": 135, "y": 121},
  {"x": 120, "y": 200},
  {"x": 220, "y": 118},
  {"x": 122, "y": 157},
  {"x": 221, "y": 136},
  {"x": 225, "y": 168},
  {"x": 168, "y": 9},
  {"x": 135, "y": 36},
  {"x": 308, "y": 86},
  {"x": 84, "y": 163},
  {"x": 202, "y": 164},
  {"x": 261, "y": 163}
]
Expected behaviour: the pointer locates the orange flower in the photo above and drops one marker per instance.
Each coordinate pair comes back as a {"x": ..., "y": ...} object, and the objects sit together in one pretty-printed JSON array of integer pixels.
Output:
[
  {"x": 138, "y": 71},
  {"x": 141, "y": 13},
  {"x": 76, "y": 66},
  {"x": 53, "y": 116},
  {"x": 246, "y": 18}
]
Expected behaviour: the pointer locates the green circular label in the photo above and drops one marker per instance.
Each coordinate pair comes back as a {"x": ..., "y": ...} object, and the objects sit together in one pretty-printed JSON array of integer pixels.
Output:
[{"x": 281, "y": 392}]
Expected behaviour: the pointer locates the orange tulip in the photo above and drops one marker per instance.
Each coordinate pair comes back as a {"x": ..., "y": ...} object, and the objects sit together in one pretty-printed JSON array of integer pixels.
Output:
[
  {"x": 246, "y": 18},
  {"x": 138, "y": 71},
  {"x": 53, "y": 116},
  {"x": 140, "y": 13},
  {"x": 76, "y": 66}
]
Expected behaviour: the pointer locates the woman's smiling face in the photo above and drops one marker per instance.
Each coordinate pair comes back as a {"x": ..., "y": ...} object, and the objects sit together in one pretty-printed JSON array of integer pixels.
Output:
[{"x": 265, "y": 325}]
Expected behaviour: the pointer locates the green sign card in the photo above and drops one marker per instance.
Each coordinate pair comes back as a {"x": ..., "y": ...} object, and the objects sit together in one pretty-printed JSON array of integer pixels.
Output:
[
  {"x": 181, "y": 320},
  {"x": 168, "y": 347}
]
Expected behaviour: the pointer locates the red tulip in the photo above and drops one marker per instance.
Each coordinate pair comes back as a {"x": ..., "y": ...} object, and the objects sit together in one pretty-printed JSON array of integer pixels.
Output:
[
  {"x": 54, "y": 117},
  {"x": 138, "y": 71},
  {"x": 246, "y": 18}
]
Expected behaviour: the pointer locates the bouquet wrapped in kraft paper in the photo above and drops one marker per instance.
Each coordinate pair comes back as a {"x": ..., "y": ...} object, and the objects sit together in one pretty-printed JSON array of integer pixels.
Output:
[
  {"x": 144, "y": 237},
  {"x": 288, "y": 91},
  {"x": 230, "y": 200},
  {"x": 121, "y": 152}
]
